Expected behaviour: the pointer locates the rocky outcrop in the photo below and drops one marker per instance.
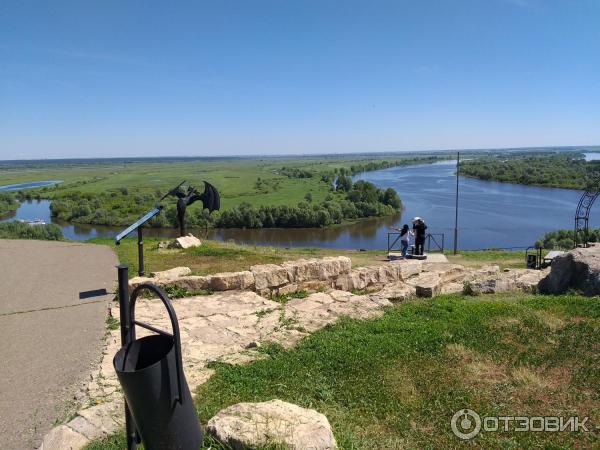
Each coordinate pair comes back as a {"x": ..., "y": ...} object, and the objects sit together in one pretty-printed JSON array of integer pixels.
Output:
[
  {"x": 63, "y": 437},
  {"x": 427, "y": 284},
  {"x": 378, "y": 276},
  {"x": 228, "y": 281},
  {"x": 192, "y": 283},
  {"x": 182, "y": 242},
  {"x": 395, "y": 292},
  {"x": 188, "y": 241},
  {"x": 171, "y": 274},
  {"x": 269, "y": 276},
  {"x": 578, "y": 269},
  {"x": 252, "y": 425}
]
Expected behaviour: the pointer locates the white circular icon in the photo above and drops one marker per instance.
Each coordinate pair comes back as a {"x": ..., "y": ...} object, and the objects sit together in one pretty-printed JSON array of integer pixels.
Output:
[{"x": 466, "y": 424}]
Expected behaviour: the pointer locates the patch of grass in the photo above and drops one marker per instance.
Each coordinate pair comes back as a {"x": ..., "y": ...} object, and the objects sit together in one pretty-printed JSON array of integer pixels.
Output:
[
  {"x": 177, "y": 292},
  {"x": 284, "y": 298},
  {"x": 281, "y": 298},
  {"x": 286, "y": 321},
  {"x": 118, "y": 442},
  {"x": 302, "y": 293},
  {"x": 262, "y": 313},
  {"x": 468, "y": 289},
  {"x": 479, "y": 258},
  {"x": 112, "y": 323},
  {"x": 216, "y": 256},
  {"x": 396, "y": 381},
  {"x": 271, "y": 349}
]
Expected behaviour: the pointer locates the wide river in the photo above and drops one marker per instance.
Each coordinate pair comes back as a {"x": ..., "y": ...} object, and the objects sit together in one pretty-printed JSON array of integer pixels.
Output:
[{"x": 491, "y": 215}]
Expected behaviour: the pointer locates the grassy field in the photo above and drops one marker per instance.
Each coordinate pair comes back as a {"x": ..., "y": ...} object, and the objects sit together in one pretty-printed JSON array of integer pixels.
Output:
[
  {"x": 236, "y": 178},
  {"x": 478, "y": 258},
  {"x": 395, "y": 382},
  {"x": 218, "y": 256},
  {"x": 255, "y": 192}
]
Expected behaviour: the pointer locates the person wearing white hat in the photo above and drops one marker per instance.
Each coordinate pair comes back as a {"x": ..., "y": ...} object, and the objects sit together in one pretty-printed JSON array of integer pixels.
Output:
[{"x": 419, "y": 228}]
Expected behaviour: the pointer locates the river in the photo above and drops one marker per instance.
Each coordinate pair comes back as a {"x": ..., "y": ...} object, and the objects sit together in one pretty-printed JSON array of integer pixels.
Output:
[{"x": 491, "y": 214}]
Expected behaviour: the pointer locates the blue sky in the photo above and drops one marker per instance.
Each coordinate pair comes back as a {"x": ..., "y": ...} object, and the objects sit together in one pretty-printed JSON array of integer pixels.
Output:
[{"x": 132, "y": 78}]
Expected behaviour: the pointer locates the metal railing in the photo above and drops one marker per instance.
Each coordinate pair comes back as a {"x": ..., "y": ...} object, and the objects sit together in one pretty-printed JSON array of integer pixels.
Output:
[
  {"x": 433, "y": 241},
  {"x": 437, "y": 240}
]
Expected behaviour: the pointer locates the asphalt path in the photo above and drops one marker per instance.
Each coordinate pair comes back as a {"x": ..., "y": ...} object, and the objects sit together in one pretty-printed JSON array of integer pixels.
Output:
[{"x": 52, "y": 324}]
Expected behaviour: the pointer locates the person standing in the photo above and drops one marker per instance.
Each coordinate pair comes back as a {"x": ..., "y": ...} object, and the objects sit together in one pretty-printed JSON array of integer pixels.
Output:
[
  {"x": 419, "y": 228},
  {"x": 405, "y": 235}
]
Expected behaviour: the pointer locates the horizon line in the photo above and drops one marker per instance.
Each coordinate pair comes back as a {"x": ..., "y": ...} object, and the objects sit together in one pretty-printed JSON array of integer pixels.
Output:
[{"x": 277, "y": 155}]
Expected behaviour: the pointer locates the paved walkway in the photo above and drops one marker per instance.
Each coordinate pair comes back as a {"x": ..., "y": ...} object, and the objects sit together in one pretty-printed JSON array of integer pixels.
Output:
[{"x": 49, "y": 337}]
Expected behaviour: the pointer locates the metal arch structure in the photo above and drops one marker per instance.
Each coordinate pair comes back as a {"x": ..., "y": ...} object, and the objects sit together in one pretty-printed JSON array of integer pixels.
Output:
[{"x": 582, "y": 217}]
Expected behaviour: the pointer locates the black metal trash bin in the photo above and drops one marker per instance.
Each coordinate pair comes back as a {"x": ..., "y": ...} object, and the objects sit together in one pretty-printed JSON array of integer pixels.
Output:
[{"x": 151, "y": 375}]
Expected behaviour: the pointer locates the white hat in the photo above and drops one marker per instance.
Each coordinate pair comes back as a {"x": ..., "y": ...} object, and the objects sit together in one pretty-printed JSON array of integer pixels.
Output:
[{"x": 416, "y": 218}]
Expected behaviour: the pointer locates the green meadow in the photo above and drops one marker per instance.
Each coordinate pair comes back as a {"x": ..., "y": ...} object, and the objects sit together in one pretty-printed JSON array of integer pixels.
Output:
[
  {"x": 258, "y": 181},
  {"x": 255, "y": 192}
]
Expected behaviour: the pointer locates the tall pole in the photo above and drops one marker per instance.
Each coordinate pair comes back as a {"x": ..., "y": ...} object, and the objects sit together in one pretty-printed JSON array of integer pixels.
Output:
[
  {"x": 141, "y": 272},
  {"x": 456, "y": 207},
  {"x": 123, "y": 277}
]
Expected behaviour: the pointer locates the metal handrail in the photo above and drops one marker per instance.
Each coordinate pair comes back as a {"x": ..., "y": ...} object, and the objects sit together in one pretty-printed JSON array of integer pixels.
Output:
[
  {"x": 391, "y": 247},
  {"x": 437, "y": 238},
  {"x": 432, "y": 237}
]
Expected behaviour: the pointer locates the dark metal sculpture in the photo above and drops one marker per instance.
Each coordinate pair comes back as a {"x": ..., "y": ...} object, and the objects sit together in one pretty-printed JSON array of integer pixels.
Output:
[
  {"x": 210, "y": 198},
  {"x": 582, "y": 217},
  {"x": 584, "y": 206}
]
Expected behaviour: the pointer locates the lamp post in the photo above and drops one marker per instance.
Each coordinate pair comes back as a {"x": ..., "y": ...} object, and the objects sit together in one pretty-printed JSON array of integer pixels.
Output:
[{"x": 456, "y": 206}]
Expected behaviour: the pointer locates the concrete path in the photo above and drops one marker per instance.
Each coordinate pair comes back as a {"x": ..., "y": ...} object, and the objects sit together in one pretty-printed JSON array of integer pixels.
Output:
[{"x": 50, "y": 338}]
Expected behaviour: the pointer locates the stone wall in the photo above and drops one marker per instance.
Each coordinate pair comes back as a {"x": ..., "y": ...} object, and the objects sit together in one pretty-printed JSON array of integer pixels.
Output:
[
  {"x": 400, "y": 278},
  {"x": 265, "y": 279}
]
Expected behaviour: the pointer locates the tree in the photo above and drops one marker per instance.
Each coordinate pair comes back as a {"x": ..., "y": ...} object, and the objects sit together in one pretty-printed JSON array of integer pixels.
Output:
[
  {"x": 343, "y": 183},
  {"x": 391, "y": 198}
]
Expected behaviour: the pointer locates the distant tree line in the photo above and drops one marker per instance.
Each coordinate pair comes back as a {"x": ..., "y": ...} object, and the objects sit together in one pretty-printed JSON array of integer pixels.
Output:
[
  {"x": 330, "y": 176},
  {"x": 563, "y": 239},
  {"x": 570, "y": 171}
]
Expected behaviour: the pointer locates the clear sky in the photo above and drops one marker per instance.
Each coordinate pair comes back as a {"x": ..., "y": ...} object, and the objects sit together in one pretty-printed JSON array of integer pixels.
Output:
[{"x": 110, "y": 78}]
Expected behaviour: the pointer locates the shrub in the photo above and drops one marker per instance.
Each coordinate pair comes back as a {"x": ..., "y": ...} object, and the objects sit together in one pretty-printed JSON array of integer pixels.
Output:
[{"x": 20, "y": 230}]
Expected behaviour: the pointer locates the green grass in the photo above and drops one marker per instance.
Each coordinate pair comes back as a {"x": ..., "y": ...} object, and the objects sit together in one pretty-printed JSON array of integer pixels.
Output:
[
  {"x": 478, "y": 258},
  {"x": 236, "y": 178},
  {"x": 396, "y": 381},
  {"x": 112, "y": 323},
  {"x": 217, "y": 256}
]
